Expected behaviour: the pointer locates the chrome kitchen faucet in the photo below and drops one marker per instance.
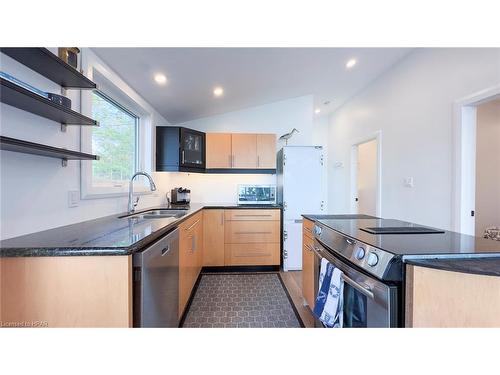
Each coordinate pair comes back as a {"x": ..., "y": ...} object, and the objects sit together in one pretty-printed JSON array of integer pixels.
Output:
[{"x": 131, "y": 202}]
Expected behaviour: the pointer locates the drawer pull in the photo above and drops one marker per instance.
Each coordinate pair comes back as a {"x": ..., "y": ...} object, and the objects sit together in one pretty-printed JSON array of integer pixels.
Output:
[
  {"x": 253, "y": 232},
  {"x": 192, "y": 225},
  {"x": 253, "y": 215}
]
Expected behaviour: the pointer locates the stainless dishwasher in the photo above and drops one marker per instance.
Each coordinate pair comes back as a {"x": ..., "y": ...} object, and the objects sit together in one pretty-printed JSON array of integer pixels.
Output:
[{"x": 156, "y": 283}]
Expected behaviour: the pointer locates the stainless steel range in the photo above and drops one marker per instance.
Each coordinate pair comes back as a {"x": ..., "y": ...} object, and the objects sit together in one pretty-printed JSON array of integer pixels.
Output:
[
  {"x": 371, "y": 255},
  {"x": 371, "y": 297}
]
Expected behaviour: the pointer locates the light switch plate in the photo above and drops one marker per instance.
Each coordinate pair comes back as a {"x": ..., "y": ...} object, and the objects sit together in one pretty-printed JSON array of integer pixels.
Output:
[
  {"x": 408, "y": 182},
  {"x": 73, "y": 198}
]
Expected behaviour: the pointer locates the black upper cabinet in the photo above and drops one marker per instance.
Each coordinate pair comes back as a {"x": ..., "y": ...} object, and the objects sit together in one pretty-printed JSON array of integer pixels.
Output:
[{"x": 179, "y": 149}]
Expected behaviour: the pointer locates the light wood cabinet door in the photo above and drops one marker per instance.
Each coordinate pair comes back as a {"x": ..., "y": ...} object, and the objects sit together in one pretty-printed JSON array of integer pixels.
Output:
[
  {"x": 218, "y": 150},
  {"x": 244, "y": 151},
  {"x": 252, "y": 214},
  {"x": 266, "y": 151},
  {"x": 213, "y": 237},
  {"x": 308, "y": 271}
]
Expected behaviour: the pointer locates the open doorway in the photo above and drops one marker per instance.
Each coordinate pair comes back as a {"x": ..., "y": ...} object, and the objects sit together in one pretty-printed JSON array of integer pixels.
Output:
[
  {"x": 477, "y": 182},
  {"x": 366, "y": 177},
  {"x": 487, "y": 195}
]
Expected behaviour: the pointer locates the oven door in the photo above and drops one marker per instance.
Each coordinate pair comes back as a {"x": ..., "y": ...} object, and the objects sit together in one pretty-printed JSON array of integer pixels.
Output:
[{"x": 368, "y": 303}]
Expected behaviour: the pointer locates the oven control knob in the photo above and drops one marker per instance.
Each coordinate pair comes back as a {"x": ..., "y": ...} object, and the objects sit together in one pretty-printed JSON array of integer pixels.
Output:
[
  {"x": 372, "y": 259},
  {"x": 317, "y": 230},
  {"x": 360, "y": 253}
]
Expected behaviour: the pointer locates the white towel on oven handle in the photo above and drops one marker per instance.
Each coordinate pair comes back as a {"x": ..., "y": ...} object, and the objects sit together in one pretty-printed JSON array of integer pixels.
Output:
[{"x": 329, "y": 302}]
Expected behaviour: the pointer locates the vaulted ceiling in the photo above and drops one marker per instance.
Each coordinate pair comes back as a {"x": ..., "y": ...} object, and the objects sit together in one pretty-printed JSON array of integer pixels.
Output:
[{"x": 249, "y": 76}]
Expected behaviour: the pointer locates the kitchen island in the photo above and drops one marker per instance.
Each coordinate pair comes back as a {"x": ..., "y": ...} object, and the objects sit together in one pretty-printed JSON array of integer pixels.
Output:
[{"x": 443, "y": 278}]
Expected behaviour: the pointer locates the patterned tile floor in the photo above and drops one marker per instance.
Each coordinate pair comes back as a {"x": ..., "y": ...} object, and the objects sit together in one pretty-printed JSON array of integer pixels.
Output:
[{"x": 240, "y": 300}]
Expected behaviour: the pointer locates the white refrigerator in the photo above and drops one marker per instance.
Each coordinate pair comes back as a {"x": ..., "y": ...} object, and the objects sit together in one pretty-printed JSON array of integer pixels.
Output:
[{"x": 301, "y": 190}]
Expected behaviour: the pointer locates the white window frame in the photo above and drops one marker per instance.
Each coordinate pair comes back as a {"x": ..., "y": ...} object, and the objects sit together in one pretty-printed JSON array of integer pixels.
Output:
[{"x": 112, "y": 86}]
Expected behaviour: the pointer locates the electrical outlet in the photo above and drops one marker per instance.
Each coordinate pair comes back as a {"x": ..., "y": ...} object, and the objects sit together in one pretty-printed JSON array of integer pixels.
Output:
[{"x": 73, "y": 198}]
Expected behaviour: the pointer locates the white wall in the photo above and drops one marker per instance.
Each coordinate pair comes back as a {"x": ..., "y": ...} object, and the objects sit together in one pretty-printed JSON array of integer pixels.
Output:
[
  {"x": 33, "y": 189},
  {"x": 412, "y": 105},
  {"x": 279, "y": 118},
  {"x": 487, "y": 166}
]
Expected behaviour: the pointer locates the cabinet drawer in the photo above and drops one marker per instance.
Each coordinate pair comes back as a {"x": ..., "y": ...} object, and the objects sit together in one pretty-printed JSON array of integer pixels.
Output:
[
  {"x": 188, "y": 225},
  {"x": 307, "y": 228},
  {"x": 306, "y": 240},
  {"x": 252, "y": 231},
  {"x": 252, "y": 254},
  {"x": 252, "y": 214}
]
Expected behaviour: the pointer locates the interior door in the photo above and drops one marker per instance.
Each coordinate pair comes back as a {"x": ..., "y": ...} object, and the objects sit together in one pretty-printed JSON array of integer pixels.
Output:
[
  {"x": 292, "y": 245},
  {"x": 244, "y": 150},
  {"x": 367, "y": 178}
]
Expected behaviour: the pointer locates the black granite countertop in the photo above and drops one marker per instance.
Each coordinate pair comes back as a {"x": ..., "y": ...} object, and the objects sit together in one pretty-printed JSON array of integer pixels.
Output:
[
  {"x": 449, "y": 251},
  {"x": 110, "y": 235},
  {"x": 315, "y": 217},
  {"x": 478, "y": 266}
]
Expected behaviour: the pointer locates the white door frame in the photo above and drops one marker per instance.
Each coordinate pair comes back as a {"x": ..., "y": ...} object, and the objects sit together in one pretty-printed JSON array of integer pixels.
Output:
[
  {"x": 464, "y": 158},
  {"x": 377, "y": 136}
]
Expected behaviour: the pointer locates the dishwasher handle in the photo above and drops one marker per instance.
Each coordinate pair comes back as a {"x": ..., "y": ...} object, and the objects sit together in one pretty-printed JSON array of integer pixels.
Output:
[{"x": 165, "y": 250}]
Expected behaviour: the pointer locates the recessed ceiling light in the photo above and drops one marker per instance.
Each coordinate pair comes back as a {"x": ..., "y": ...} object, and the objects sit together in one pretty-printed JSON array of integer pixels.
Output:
[
  {"x": 317, "y": 110},
  {"x": 350, "y": 63},
  {"x": 161, "y": 79},
  {"x": 218, "y": 91}
]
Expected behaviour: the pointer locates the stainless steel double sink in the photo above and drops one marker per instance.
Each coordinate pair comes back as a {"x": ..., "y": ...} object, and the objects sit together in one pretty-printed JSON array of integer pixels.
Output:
[{"x": 159, "y": 213}]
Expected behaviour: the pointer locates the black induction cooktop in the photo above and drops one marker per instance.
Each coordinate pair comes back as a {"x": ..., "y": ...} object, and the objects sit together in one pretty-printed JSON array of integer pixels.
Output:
[
  {"x": 414, "y": 243},
  {"x": 401, "y": 230}
]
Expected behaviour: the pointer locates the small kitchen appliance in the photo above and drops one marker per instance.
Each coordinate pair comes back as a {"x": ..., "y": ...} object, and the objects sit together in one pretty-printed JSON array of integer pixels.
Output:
[
  {"x": 256, "y": 194},
  {"x": 180, "y": 196}
]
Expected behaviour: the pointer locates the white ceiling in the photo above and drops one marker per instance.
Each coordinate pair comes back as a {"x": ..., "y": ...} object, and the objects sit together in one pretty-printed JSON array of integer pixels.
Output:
[{"x": 249, "y": 76}]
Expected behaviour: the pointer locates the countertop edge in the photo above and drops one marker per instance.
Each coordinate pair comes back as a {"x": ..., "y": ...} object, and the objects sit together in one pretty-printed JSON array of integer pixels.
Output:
[
  {"x": 453, "y": 264},
  {"x": 30, "y": 252}
]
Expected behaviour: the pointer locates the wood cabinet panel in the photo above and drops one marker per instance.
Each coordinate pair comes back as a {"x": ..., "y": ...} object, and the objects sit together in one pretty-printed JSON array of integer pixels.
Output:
[
  {"x": 252, "y": 254},
  {"x": 252, "y": 231},
  {"x": 266, "y": 151},
  {"x": 308, "y": 291},
  {"x": 74, "y": 291},
  {"x": 219, "y": 150},
  {"x": 190, "y": 256},
  {"x": 213, "y": 237},
  {"x": 244, "y": 151},
  {"x": 252, "y": 214},
  {"x": 437, "y": 299},
  {"x": 307, "y": 228}
]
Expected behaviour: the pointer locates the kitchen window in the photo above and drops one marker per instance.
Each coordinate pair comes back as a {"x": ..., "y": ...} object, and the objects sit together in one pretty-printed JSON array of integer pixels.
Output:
[
  {"x": 122, "y": 140},
  {"x": 116, "y": 141}
]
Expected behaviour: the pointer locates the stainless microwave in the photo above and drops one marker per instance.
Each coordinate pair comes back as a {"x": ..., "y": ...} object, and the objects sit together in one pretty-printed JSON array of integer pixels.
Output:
[{"x": 256, "y": 194}]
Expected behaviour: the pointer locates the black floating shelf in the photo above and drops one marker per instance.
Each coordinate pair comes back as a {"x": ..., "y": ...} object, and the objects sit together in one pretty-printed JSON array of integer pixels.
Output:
[
  {"x": 24, "y": 99},
  {"x": 25, "y": 147},
  {"x": 43, "y": 61}
]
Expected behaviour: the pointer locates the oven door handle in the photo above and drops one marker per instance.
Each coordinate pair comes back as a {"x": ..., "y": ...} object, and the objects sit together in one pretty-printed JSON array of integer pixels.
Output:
[{"x": 360, "y": 288}]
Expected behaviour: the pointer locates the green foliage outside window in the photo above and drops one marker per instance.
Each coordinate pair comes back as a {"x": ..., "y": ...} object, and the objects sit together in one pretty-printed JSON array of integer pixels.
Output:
[{"x": 114, "y": 141}]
